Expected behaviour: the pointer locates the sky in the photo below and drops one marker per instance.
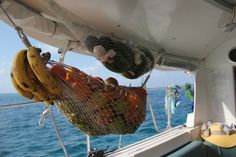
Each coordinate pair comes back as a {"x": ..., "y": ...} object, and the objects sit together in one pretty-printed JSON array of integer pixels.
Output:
[{"x": 10, "y": 44}]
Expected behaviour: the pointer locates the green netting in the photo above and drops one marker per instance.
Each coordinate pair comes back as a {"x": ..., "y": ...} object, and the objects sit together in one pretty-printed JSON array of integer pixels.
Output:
[{"x": 97, "y": 107}]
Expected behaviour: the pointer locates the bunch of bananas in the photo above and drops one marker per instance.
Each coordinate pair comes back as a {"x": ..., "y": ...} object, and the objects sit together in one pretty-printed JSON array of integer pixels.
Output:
[{"x": 31, "y": 77}]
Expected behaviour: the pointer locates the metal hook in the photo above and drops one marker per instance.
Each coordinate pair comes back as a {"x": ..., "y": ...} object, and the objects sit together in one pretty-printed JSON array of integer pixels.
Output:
[
  {"x": 63, "y": 52},
  {"x": 43, "y": 116}
]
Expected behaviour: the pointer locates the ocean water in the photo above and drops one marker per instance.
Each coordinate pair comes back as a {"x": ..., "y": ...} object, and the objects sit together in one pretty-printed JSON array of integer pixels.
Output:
[{"x": 21, "y": 136}]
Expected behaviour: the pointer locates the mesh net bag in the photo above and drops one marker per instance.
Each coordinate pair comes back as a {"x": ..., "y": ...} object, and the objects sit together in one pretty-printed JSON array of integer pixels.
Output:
[
  {"x": 130, "y": 60},
  {"x": 97, "y": 107}
]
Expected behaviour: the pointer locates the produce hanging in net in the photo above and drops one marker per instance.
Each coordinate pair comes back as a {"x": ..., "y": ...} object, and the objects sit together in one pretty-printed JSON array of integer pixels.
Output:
[
  {"x": 129, "y": 60},
  {"x": 95, "y": 106},
  {"x": 98, "y": 107}
]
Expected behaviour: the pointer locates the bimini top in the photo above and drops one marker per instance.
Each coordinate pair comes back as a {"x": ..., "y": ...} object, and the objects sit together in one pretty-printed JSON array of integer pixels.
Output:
[{"x": 186, "y": 28}]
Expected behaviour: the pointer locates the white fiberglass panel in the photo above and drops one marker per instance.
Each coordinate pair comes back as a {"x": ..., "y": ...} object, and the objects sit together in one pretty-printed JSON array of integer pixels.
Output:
[{"x": 183, "y": 27}]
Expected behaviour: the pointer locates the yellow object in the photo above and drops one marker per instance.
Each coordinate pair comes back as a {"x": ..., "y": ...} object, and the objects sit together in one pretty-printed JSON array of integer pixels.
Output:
[
  {"x": 41, "y": 92},
  {"x": 20, "y": 73},
  {"x": 40, "y": 70},
  {"x": 26, "y": 79},
  {"x": 21, "y": 91},
  {"x": 216, "y": 135}
]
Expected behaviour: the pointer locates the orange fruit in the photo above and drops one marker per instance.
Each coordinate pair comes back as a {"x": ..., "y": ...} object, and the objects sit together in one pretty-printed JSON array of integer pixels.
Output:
[
  {"x": 58, "y": 70},
  {"x": 111, "y": 80},
  {"x": 97, "y": 84}
]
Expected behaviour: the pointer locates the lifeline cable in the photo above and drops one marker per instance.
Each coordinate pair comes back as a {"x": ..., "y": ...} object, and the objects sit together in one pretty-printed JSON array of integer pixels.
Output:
[
  {"x": 120, "y": 139},
  {"x": 149, "y": 101},
  {"x": 6, "y": 106},
  {"x": 147, "y": 78},
  {"x": 152, "y": 113},
  {"x": 58, "y": 134},
  {"x": 88, "y": 143}
]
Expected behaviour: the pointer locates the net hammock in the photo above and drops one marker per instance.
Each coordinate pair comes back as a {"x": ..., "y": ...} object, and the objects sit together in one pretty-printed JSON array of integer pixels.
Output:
[{"x": 95, "y": 106}]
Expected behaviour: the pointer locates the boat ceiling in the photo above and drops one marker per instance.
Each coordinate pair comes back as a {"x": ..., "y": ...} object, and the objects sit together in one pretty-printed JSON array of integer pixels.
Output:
[{"x": 190, "y": 28}]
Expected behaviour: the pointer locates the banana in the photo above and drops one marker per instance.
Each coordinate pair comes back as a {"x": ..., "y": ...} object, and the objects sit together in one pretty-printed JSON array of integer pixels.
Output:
[
  {"x": 41, "y": 92},
  {"x": 20, "y": 73},
  {"x": 40, "y": 70},
  {"x": 26, "y": 79},
  {"x": 21, "y": 91}
]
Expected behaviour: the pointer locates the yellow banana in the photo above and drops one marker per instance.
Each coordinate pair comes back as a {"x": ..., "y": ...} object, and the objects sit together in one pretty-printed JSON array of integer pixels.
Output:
[
  {"x": 20, "y": 73},
  {"x": 21, "y": 91},
  {"x": 40, "y": 70},
  {"x": 25, "y": 77},
  {"x": 41, "y": 92}
]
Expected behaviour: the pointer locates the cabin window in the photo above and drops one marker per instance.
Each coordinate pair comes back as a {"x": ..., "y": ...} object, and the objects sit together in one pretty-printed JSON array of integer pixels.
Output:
[{"x": 232, "y": 55}]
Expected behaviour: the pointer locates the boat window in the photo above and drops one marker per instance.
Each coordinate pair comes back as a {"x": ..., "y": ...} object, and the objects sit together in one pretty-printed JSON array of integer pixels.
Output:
[{"x": 232, "y": 55}]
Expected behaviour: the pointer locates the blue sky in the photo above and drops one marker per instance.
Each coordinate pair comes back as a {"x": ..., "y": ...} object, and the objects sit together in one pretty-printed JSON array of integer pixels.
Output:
[{"x": 10, "y": 44}]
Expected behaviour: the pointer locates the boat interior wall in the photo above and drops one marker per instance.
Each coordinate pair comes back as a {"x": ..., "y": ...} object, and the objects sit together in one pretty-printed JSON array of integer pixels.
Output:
[
  {"x": 221, "y": 83},
  {"x": 201, "y": 109}
]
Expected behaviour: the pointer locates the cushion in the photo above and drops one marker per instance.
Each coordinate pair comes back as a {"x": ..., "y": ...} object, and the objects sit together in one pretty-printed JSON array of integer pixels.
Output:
[
  {"x": 223, "y": 152},
  {"x": 193, "y": 149}
]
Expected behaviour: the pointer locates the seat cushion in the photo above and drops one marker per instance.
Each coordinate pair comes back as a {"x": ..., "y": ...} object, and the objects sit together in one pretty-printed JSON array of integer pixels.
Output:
[
  {"x": 223, "y": 152},
  {"x": 193, "y": 149}
]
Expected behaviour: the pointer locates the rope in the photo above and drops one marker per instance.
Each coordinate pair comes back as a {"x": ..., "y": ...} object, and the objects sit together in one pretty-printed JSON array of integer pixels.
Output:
[
  {"x": 147, "y": 78},
  {"x": 149, "y": 101},
  {"x": 19, "y": 30},
  {"x": 88, "y": 143},
  {"x": 120, "y": 138},
  {"x": 167, "y": 103},
  {"x": 58, "y": 134},
  {"x": 43, "y": 116},
  {"x": 6, "y": 106},
  {"x": 152, "y": 113}
]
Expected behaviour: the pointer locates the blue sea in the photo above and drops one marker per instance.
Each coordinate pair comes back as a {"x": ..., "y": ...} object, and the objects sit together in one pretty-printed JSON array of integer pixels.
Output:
[{"x": 21, "y": 136}]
